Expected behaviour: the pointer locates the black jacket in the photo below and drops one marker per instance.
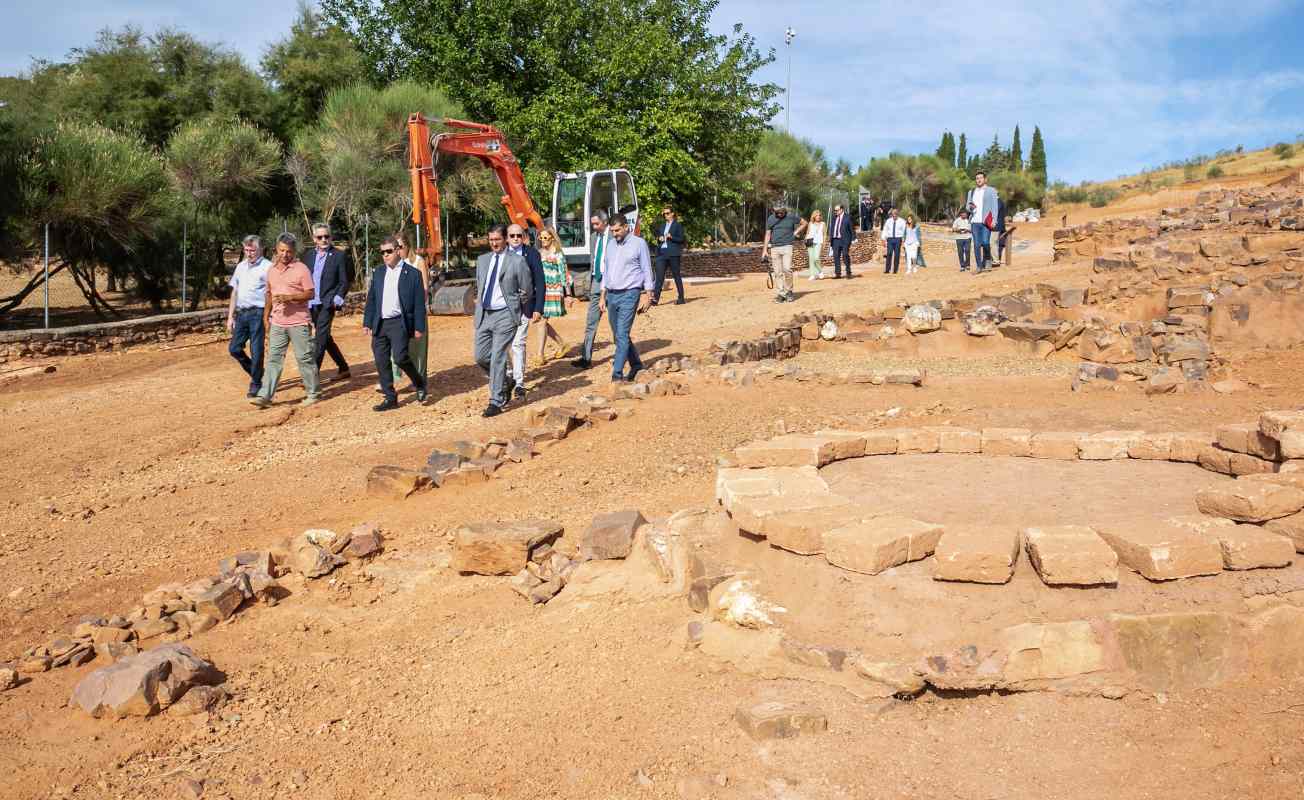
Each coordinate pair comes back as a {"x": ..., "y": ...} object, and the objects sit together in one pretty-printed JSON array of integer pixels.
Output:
[
  {"x": 674, "y": 242},
  {"x": 844, "y": 232},
  {"x": 411, "y": 297},
  {"x": 535, "y": 261},
  {"x": 336, "y": 274}
]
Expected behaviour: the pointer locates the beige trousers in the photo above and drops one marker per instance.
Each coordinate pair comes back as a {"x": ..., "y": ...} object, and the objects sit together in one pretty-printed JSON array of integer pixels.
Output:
[{"x": 781, "y": 267}]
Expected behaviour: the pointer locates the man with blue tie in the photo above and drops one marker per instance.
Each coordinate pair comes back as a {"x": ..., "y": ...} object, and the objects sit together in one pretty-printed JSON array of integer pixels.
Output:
[
  {"x": 894, "y": 232},
  {"x": 670, "y": 244},
  {"x": 505, "y": 289},
  {"x": 597, "y": 251},
  {"x": 395, "y": 313}
]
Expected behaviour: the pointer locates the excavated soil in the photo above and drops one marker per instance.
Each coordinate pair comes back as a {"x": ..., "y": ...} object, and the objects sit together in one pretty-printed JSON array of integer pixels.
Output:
[{"x": 404, "y": 680}]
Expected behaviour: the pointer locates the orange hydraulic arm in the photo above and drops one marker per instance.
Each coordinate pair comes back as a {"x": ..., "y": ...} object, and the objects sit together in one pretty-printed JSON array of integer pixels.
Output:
[{"x": 484, "y": 142}]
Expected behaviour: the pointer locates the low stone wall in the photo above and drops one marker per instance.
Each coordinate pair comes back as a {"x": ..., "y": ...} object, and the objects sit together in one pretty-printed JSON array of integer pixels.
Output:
[
  {"x": 110, "y": 336},
  {"x": 743, "y": 260}
]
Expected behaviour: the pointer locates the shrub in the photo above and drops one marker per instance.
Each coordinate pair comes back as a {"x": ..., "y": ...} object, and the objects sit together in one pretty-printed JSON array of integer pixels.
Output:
[
  {"x": 1214, "y": 172},
  {"x": 1102, "y": 196},
  {"x": 1283, "y": 150}
]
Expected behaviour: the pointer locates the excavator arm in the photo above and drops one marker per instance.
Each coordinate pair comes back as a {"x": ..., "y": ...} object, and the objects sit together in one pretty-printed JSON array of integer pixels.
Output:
[{"x": 484, "y": 142}]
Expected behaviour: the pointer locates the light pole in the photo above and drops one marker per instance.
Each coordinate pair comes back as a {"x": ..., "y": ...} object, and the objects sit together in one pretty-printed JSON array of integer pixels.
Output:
[{"x": 788, "y": 35}]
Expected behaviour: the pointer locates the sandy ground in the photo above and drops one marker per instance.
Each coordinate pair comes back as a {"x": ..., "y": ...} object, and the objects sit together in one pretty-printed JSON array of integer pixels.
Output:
[{"x": 406, "y": 680}]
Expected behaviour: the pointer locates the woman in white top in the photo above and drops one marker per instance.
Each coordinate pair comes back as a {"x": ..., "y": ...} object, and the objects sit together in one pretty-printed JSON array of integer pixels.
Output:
[
  {"x": 912, "y": 244},
  {"x": 814, "y": 237}
]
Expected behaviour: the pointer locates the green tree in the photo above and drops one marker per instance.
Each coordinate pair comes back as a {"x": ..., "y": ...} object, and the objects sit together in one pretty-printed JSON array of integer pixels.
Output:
[
  {"x": 222, "y": 170},
  {"x": 1037, "y": 156},
  {"x": 993, "y": 158},
  {"x": 304, "y": 67},
  {"x": 1016, "y": 152},
  {"x": 147, "y": 85},
  {"x": 104, "y": 195},
  {"x": 962, "y": 155},
  {"x": 588, "y": 84},
  {"x": 946, "y": 150}
]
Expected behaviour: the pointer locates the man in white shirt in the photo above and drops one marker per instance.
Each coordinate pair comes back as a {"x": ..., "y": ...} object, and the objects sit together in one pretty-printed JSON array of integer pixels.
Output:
[
  {"x": 894, "y": 231},
  {"x": 244, "y": 316},
  {"x": 983, "y": 208}
]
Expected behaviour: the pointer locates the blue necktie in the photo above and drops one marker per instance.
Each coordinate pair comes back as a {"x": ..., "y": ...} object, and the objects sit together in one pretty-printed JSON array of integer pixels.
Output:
[{"x": 489, "y": 286}]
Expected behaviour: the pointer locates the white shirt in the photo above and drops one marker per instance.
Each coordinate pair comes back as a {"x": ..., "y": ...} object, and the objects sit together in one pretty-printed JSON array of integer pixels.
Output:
[
  {"x": 666, "y": 234},
  {"x": 894, "y": 228},
  {"x": 978, "y": 212},
  {"x": 390, "y": 307},
  {"x": 496, "y": 299},
  {"x": 250, "y": 283}
]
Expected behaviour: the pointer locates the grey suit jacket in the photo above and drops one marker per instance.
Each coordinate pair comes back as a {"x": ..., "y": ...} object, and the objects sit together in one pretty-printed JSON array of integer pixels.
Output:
[{"x": 514, "y": 278}]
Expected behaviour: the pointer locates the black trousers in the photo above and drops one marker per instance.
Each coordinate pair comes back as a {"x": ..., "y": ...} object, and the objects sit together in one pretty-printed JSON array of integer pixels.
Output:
[
  {"x": 662, "y": 263},
  {"x": 841, "y": 252},
  {"x": 322, "y": 341},
  {"x": 892, "y": 256},
  {"x": 390, "y": 342}
]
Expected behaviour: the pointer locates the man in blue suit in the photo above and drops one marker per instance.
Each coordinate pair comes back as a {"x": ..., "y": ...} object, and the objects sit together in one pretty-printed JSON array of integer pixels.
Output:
[
  {"x": 670, "y": 245},
  {"x": 518, "y": 244},
  {"x": 396, "y": 312},
  {"x": 841, "y": 235}
]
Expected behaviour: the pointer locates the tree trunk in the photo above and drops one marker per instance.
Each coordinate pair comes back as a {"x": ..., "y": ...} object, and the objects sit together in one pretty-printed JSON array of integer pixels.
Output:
[
  {"x": 15, "y": 300},
  {"x": 97, "y": 303}
]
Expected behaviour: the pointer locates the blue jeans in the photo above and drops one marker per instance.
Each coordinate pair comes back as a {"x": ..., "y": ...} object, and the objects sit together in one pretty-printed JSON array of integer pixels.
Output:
[
  {"x": 249, "y": 329},
  {"x": 892, "y": 255},
  {"x": 982, "y": 246},
  {"x": 962, "y": 249},
  {"x": 622, "y": 305}
]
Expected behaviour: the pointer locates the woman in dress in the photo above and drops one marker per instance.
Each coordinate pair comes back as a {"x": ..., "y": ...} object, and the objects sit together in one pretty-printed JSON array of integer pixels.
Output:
[
  {"x": 416, "y": 347},
  {"x": 556, "y": 280},
  {"x": 912, "y": 244}
]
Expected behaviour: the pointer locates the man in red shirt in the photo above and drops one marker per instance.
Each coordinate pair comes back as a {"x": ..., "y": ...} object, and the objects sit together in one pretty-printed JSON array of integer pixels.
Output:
[{"x": 287, "y": 322}]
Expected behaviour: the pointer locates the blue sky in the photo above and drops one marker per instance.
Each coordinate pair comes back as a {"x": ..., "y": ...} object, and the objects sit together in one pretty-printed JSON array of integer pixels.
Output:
[{"x": 1116, "y": 85}]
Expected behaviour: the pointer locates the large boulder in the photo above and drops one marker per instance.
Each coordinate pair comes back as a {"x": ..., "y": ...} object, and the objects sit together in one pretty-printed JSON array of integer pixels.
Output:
[
  {"x": 500, "y": 548},
  {"x": 922, "y": 318},
  {"x": 141, "y": 685}
]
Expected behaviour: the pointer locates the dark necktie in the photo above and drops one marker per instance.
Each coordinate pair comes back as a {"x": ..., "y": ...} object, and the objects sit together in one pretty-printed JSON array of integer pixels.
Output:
[{"x": 489, "y": 285}]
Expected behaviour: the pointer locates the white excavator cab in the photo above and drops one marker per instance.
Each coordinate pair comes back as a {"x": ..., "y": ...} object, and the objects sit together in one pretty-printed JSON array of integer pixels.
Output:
[{"x": 576, "y": 197}]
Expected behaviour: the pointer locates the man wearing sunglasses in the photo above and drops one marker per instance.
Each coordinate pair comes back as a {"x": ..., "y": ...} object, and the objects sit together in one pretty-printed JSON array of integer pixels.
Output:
[
  {"x": 396, "y": 312},
  {"x": 518, "y": 244},
  {"x": 505, "y": 292},
  {"x": 670, "y": 245},
  {"x": 331, "y": 275}
]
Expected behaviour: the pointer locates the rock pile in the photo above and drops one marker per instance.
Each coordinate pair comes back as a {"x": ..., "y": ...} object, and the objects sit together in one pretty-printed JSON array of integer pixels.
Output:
[
  {"x": 1273, "y": 444},
  {"x": 144, "y": 684}
]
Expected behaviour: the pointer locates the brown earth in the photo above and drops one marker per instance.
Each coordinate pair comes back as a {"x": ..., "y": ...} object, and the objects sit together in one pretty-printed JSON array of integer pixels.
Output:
[{"x": 403, "y": 679}]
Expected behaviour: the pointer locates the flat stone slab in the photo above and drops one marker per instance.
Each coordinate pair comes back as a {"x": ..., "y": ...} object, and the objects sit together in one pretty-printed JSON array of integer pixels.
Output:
[
  {"x": 1187, "y": 447},
  {"x": 1291, "y": 527},
  {"x": 778, "y": 720},
  {"x": 976, "y": 554},
  {"x": 1243, "y": 546},
  {"x": 1006, "y": 442},
  {"x": 1245, "y": 437},
  {"x": 611, "y": 535},
  {"x": 750, "y": 513},
  {"x": 1161, "y": 551},
  {"x": 732, "y": 483},
  {"x": 872, "y": 545},
  {"x": 1152, "y": 447},
  {"x": 1107, "y": 445},
  {"x": 1287, "y": 427},
  {"x": 1058, "y": 445},
  {"x": 803, "y": 531},
  {"x": 956, "y": 440},
  {"x": 1250, "y": 501},
  {"x": 799, "y": 450},
  {"x": 500, "y": 548},
  {"x": 1071, "y": 555}
]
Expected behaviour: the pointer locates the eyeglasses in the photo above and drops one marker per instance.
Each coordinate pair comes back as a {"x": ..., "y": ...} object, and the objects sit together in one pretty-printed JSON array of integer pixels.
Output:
[
  {"x": 322, "y": 236},
  {"x": 515, "y": 235},
  {"x": 385, "y": 252}
]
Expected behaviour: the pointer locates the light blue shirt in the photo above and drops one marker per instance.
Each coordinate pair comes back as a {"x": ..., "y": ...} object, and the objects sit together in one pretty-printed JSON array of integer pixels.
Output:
[
  {"x": 249, "y": 281},
  {"x": 627, "y": 265}
]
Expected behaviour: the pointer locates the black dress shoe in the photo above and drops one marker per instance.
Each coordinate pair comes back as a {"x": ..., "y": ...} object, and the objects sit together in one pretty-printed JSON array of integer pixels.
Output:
[
  {"x": 343, "y": 375},
  {"x": 633, "y": 373},
  {"x": 680, "y": 301},
  {"x": 252, "y": 393},
  {"x": 519, "y": 394},
  {"x": 421, "y": 395},
  {"x": 388, "y": 405},
  {"x": 492, "y": 411},
  {"x": 581, "y": 363}
]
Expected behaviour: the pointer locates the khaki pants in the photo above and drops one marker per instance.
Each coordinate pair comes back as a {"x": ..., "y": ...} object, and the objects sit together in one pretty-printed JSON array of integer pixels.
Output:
[
  {"x": 781, "y": 267},
  {"x": 280, "y": 339}
]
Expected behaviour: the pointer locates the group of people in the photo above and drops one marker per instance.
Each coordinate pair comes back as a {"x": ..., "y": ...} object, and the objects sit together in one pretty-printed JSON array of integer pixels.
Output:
[
  {"x": 983, "y": 214},
  {"x": 283, "y": 302},
  {"x": 783, "y": 229}
]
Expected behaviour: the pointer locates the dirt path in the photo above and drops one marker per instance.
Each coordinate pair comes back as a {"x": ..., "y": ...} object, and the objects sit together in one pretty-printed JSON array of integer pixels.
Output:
[{"x": 406, "y": 680}]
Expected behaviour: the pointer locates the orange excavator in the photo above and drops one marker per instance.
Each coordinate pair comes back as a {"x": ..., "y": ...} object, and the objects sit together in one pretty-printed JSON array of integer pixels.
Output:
[
  {"x": 484, "y": 142},
  {"x": 576, "y": 196}
]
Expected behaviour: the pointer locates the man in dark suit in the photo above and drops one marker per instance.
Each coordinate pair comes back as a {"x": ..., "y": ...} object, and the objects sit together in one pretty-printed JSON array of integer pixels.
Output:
[
  {"x": 533, "y": 312},
  {"x": 1001, "y": 239},
  {"x": 505, "y": 291},
  {"x": 395, "y": 313},
  {"x": 840, "y": 237},
  {"x": 670, "y": 245},
  {"x": 332, "y": 272},
  {"x": 866, "y": 213}
]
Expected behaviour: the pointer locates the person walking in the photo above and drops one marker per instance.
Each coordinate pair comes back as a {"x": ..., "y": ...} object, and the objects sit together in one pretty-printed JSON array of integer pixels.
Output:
[
  {"x": 417, "y": 344},
  {"x": 395, "y": 314},
  {"x": 841, "y": 235},
  {"x": 813, "y": 236},
  {"x": 505, "y": 291},
  {"x": 780, "y": 233},
  {"x": 244, "y": 316},
  {"x": 332, "y": 272},
  {"x": 866, "y": 213},
  {"x": 961, "y": 232},
  {"x": 597, "y": 252},
  {"x": 626, "y": 290},
  {"x": 670, "y": 246},
  {"x": 288, "y": 322},
  {"x": 894, "y": 231},
  {"x": 556, "y": 281},
  {"x": 533, "y": 311},
  {"x": 981, "y": 202},
  {"x": 912, "y": 243},
  {"x": 999, "y": 230}
]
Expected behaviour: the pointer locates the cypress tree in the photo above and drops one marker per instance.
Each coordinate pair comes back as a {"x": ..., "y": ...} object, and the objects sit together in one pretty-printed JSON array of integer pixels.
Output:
[
  {"x": 962, "y": 155},
  {"x": 1016, "y": 152},
  {"x": 1037, "y": 156},
  {"x": 946, "y": 150}
]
